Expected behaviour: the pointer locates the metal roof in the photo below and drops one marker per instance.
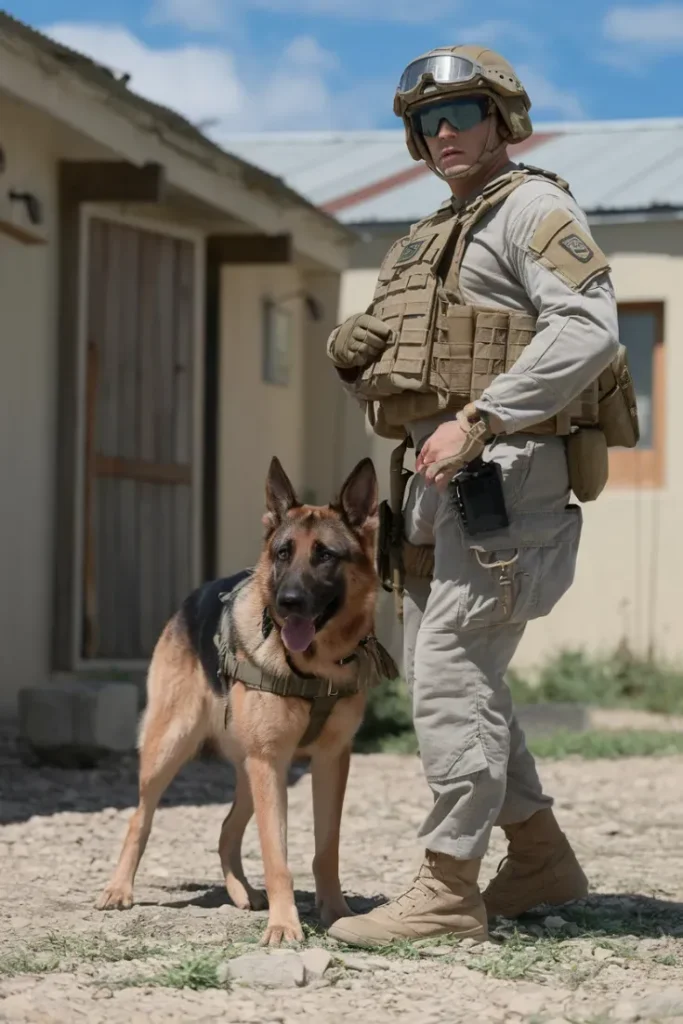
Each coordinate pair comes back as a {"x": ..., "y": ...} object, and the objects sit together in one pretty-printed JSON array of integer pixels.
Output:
[{"x": 369, "y": 177}]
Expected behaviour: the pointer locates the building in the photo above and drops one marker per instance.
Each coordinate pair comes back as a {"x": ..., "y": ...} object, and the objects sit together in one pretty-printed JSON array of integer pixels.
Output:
[
  {"x": 162, "y": 309},
  {"x": 628, "y": 176}
]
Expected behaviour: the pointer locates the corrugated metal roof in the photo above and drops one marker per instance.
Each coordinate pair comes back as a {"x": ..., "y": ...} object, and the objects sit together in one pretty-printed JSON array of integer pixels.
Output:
[{"x": 611, "y": 166}]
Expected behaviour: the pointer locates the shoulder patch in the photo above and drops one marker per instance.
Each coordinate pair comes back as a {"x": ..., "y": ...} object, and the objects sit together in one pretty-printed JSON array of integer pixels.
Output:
[{"x": 561, "y": 244}]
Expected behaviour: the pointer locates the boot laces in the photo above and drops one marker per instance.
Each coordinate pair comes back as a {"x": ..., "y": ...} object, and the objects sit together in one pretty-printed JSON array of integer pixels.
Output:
[{"x": 419, "y": 889}]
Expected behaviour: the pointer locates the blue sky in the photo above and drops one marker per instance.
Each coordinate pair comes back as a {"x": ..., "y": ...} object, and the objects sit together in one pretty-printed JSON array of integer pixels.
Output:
[{"x": 241, "y": 65}]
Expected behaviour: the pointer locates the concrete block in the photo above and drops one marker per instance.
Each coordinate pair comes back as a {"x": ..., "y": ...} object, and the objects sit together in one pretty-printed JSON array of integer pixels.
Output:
[
  {"x": 79, "y": 720},
  {"x": 544, "y": 719}
]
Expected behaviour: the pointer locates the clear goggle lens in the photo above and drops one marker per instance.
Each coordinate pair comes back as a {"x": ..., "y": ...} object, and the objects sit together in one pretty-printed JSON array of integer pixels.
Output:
[{"x": 445, "y": 68}]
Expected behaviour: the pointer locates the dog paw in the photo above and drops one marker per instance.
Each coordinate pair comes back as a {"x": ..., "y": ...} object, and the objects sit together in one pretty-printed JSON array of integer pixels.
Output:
[
  {"x": 115, "y": 897},
  {"x": 244, "y": 897},
  {"x": 331, "y": 911},
  {"x": 276, "y": 934}
]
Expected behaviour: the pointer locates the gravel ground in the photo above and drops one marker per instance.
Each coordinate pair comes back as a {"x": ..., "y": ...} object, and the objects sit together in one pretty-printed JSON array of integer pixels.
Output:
[{"x": 616, "y": 957}]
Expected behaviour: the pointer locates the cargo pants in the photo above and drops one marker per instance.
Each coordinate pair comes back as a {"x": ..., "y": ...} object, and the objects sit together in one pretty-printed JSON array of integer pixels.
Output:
[{"x": 461, "y": 630}]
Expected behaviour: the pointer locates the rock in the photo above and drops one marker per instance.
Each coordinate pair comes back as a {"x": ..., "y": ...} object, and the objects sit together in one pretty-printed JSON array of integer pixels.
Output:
[
  {"x": 557, "y": 924},
  {"x": 316, "y": 961},
  {"x": 367, "y": 963},
  {"x": 668, "y": 1003},
  {"x": 527, "y": 1004},
  {"x": 625, "y": 1011},
  {"x": 602, "y": 954},
  {"x": 285, "y": 970}
]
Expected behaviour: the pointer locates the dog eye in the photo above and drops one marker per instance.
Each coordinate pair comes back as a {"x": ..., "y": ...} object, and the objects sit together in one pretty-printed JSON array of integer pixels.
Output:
[
  {"x": 283, "y": 553},
  {"x": 324, "y": 554}
]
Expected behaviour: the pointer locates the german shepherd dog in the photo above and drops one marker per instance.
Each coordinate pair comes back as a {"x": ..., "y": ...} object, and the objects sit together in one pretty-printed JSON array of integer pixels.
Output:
[{"x": 305, "y": 611}]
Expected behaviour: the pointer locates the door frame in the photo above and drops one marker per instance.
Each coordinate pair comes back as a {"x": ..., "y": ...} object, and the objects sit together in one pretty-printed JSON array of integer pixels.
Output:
[{"x": 89, "y": 212}]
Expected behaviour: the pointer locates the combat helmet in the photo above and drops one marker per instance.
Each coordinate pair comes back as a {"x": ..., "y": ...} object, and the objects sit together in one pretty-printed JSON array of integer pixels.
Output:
[{"x": 462, "y": 71}]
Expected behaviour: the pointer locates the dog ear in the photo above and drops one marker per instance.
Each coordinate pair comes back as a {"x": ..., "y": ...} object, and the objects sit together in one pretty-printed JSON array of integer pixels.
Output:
[
  {"x": 359, "y": 495},
  {"x": 280, "y": 495}
]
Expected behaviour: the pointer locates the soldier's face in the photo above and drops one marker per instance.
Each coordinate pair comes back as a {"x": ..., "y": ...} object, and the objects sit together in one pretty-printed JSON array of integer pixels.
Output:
[{"x": 454, "y": 151}]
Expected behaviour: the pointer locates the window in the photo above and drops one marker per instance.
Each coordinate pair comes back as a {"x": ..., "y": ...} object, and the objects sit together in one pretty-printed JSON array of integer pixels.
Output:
[
  {"x": 641, "y": 330},
  {"x": 277, "y": 343}
]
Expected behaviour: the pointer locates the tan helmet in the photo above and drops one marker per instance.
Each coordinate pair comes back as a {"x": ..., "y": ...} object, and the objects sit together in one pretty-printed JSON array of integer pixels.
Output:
[{"x": 463, "y": 70}]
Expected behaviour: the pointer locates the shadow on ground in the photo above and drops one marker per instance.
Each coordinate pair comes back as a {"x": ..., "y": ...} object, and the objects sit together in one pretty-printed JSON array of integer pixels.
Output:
[
  {"x": 213, "y": 897},
  {"x": 29, "y": 788},
  {"x": 606, "y": 915}
]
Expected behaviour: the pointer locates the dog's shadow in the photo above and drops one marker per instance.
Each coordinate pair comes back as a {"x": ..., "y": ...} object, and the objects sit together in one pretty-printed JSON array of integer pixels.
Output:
[{"x": 213, "y": 897}]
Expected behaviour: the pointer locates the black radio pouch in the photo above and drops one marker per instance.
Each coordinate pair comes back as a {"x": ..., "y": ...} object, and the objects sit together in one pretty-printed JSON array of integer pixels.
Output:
[{"x": 477, "y": 497}]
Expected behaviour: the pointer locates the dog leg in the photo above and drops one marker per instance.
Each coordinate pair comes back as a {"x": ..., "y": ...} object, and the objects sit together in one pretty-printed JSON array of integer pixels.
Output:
[
  {"x": 240, "y": 892},
  {"x": 329, "y": 776},
  {"x": 166, "y": 747},
  {"x": 268, "y": 781}
]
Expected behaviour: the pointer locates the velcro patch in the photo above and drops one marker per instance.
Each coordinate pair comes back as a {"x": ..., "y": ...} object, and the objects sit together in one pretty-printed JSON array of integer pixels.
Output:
[
  {"x": 414, "y": 250},
  {"x": 561, "y": 245}
]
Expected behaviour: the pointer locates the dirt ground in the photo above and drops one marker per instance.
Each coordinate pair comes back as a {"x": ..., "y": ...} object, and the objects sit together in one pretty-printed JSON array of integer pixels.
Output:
[{"x": 617, "y": 957}]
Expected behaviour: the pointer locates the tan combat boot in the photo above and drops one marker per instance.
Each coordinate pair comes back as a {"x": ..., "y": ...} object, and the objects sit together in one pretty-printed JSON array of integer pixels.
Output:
[
  {"x": 540, "y": 867},
  {"x": 444, "y": 899}
]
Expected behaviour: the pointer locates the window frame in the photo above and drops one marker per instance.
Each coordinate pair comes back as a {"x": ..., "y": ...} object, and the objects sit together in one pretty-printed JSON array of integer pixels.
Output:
[
  {"x": 633, "y": 467},
  {"x": 273, "y": 315}
]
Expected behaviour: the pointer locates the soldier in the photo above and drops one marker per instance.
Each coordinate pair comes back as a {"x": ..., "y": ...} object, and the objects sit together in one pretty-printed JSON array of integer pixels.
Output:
[{"x": 485, "y": 342}]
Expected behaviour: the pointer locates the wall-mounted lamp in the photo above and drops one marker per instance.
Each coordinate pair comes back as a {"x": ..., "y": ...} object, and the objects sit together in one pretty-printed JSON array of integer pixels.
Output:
[
  {"x": 313, "y": 307},
  {"x": 33, "y": 205}
]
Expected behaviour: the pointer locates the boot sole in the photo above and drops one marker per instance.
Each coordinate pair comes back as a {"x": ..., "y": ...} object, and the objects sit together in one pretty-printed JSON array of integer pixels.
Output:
[{"x": 366, "y": 942}]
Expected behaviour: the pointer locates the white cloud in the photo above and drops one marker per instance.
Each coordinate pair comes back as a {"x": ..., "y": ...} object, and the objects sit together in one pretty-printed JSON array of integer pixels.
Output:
[
  {"x": 307, "y": 52},
  {"x": 656, "y": 26},
  {"x": 215, "y": 89},
  {"x": 548, "y": 97},
  {"x": 197, "y": 81},
  {"x": 196, "y": 15}
]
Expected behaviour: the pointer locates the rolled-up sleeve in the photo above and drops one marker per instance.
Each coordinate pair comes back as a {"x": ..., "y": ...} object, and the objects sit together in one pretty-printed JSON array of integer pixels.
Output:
[{"x": 566, "y": 277}]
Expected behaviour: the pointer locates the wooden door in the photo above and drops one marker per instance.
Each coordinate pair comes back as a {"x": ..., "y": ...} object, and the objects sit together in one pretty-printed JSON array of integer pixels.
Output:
[{"x": 139, "y": 416}]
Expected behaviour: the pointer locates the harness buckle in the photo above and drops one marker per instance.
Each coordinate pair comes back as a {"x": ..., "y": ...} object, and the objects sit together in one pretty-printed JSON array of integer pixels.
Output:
[{"x": 330, "y": 691}]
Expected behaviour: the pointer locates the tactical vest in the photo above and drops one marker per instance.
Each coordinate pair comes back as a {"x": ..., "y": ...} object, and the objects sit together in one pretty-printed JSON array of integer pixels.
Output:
[{"x": 445, "y": 352}]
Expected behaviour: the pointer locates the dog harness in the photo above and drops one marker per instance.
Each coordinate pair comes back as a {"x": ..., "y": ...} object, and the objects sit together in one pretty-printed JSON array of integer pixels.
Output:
[{"x": 373, "y": 664}]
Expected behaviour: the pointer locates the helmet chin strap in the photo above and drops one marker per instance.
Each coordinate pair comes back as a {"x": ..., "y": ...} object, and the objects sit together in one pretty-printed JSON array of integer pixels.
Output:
[{"x": 489, "y": 151}]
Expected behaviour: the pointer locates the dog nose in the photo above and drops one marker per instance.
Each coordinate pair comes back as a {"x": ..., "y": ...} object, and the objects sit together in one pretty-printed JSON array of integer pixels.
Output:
[{"x": 292, "y": 601}]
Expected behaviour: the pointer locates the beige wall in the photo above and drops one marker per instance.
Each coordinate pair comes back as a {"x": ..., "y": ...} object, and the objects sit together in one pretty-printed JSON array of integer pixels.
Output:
[
  {"x": 27, "y": 411},
  {"x": 631, "y": 536},
  {"x": 256, "y": 420}
]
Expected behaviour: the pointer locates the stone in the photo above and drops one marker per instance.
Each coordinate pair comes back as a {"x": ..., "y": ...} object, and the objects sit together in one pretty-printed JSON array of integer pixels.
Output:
[
  {"x": 263, "y": 970},
  {"x": 79, "y": 720},
  {"x": 316, "y": 961},
  {"x": 602, "y": 954},
  {"x": 368, "y": 963},
  {"x": 556, "y": 924}
]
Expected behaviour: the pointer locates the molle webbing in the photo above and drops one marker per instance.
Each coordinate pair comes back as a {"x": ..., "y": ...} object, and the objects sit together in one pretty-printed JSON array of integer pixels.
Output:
[{"x": 444, "y": 353}]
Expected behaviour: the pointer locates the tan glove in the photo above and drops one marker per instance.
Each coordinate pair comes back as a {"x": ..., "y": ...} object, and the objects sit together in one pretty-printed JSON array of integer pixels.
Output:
[{"x": 358, "y": 341}]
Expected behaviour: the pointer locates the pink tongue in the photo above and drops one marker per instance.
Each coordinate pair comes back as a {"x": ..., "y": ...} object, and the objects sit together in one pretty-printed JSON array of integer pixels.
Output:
[{"x": 297, "y": 633}]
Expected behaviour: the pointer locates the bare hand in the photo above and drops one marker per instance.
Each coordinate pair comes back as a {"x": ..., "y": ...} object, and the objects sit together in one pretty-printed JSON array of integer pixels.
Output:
[{"x": 445, "y": 443}]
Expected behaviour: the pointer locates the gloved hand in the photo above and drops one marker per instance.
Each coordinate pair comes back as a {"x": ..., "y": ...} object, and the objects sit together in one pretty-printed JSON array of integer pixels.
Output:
[{"x": 358, "y": 341}]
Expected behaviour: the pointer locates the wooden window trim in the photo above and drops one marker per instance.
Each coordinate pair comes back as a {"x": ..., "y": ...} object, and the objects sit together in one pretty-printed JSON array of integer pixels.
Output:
[{"x": 633, "y": 468}]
